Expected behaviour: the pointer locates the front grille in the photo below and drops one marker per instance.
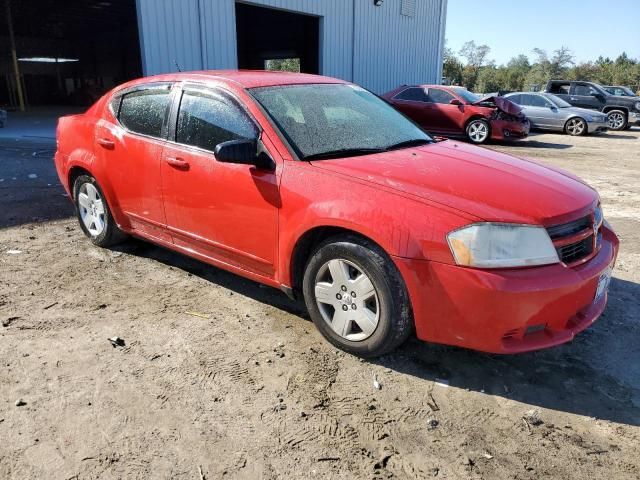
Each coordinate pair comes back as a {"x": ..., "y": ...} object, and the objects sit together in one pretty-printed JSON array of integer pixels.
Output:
[
  {"x": 570, "y": 252},
  {"x": 576, "y": 251},
  {"x": 570, "y": 228}
]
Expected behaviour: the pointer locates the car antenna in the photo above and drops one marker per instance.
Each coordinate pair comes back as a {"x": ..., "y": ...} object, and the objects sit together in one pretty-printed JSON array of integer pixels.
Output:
[{"x": 177, "y": 66}]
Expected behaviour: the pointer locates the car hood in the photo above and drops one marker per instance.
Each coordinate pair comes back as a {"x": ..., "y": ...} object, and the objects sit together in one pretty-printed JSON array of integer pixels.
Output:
[
  {"x": 501, "y": 103},
  {"x": 480, "y": 182}
]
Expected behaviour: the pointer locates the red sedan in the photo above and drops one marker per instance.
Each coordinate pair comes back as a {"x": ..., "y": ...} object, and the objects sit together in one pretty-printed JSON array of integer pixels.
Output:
[
  {"x": 454, "y": 111},
  {"x": 319, "y": 188}
]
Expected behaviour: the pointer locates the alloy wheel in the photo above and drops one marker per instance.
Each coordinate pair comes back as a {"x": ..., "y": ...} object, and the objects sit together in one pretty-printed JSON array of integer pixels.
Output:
[
  {"x": 478, "y": 131},
  {"x": 91, "y": 208},
  {"x": 615, "y": 120},
  {"x": 575, "y": 126},
  {"x": 347, "y": 300}
]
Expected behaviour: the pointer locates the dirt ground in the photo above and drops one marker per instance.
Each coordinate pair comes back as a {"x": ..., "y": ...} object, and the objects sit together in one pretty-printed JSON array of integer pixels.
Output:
[{"x": 222, "y": 378}]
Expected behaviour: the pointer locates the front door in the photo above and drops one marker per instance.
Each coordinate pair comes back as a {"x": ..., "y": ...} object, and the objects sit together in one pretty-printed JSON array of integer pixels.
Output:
[
  {"x": 226, "y": 212},
  {"x": 450, "y": 118},
  {"x": 584, "y": 95}
]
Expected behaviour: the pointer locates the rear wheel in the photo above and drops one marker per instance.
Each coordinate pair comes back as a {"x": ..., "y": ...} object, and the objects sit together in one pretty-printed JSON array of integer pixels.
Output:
[
  {"x": 478, "y": 131},
  {"x": 356, "y": 297},
  {"x": 94, "y": 215},
  {"x": 575, "y": 126},
  {"x": 617, "y": 120}
]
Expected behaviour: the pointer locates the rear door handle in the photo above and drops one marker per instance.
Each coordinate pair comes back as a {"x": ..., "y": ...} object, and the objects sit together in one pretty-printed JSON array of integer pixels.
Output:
[
  {"x": 177, "y": 162},
  {"x": 106, "y": 143}
]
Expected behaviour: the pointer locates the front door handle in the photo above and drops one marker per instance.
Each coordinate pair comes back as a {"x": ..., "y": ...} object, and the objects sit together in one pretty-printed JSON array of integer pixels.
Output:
[
  {"x": 106, "y": 143},
  {"x": 177, "y": 162}
]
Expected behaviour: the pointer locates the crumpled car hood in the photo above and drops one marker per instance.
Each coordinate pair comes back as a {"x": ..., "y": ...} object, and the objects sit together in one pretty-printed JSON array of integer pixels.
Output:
[
  {"x": 501, "y": 103},
  {"x": 483, "y": 183}
]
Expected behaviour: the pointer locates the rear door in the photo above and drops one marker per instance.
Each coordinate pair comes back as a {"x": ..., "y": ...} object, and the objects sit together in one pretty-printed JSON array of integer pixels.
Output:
[
  {"x": 223, "y": 211},
  {"x": 540, "y": 112},
  {"x": 129, "y": 152}
]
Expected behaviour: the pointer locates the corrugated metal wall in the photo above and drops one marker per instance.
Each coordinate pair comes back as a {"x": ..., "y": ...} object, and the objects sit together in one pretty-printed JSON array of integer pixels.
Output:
[{"x": 380, "y": 50}]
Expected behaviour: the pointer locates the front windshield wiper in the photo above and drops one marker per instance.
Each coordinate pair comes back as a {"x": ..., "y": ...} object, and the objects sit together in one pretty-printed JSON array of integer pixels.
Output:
[
  {"x": 408, "y": 143},
  {"x": 343, "y": 152}
]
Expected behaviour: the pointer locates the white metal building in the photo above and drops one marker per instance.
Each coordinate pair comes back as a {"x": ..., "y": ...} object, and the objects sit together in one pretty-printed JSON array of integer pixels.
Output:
[{"x": 379, "y": 44}]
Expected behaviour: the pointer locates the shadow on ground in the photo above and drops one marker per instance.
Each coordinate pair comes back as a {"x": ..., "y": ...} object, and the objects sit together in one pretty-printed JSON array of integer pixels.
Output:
[
  {"x": 537, "y": 144},
  {"x": 586, "y": 377},
  {"x": 30, "y": 191},
  {"x": 230, "y": 281}
]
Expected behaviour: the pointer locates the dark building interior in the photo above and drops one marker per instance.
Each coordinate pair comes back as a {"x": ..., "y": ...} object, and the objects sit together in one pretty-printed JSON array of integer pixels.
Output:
[
  {"x": 71, "y": 51},
  {"x": 268, "y": 34}
]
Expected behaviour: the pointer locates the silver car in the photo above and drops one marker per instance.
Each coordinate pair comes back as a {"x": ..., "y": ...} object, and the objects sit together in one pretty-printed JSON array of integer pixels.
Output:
[{"x": 548, "y": 112}]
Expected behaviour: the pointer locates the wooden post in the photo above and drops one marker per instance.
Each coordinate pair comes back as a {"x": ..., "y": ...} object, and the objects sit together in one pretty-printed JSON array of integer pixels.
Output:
[{"x": 16, "y": 67}]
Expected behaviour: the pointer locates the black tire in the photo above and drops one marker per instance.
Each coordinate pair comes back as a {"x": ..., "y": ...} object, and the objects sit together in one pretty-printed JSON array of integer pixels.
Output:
[
  {"x": 472, "y": 137},
  {"x": 111, "y": 234},
  {"x": 395, "y": 320},
  {"x": 576, "y": 127},
  {"x": 617, "y": 120}
]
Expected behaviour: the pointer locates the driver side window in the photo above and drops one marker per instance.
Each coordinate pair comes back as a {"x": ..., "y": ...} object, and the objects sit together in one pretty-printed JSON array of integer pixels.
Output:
[
  {"x": 206, "y": 120},
  {"x": 584, "y": 90},
  {"x": 440, "y": 96}
]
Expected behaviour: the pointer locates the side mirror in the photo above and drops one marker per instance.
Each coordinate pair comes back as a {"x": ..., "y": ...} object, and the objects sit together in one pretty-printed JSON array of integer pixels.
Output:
[
  {"x": 244, "y": 152},
  {"x": 455, "y": 101}
]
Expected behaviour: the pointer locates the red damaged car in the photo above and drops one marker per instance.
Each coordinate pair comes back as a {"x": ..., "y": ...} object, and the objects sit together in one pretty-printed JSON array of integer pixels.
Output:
[
  {"x": 315, "y": 186},
  {"x": 454, "y": 111}
]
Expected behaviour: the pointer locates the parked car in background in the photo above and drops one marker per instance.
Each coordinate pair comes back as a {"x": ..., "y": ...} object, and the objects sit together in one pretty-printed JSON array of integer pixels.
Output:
[
  {"x": 619, "y": 91},
  {"x": 318, "y": 187},
  {"x": 622, "y": 112},
  {"x": 454, "y": 111},
  {"x": 548, "y": 112}
]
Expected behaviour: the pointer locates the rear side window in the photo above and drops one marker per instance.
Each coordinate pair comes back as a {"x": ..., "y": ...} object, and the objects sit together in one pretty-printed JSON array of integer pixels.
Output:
[
  {"x": 413, "y": 94},
  {"x": 145, "y": 111},
  {"x": 206, "y": 120},
  {"x": 515, "y": 99},
  {"x": 538, "y": 101}
]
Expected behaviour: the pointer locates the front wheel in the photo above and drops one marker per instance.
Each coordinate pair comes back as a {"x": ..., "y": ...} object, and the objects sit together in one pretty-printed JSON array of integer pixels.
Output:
[
  {"x": 94, "y": 215},
  {"x": 617, "y": 120},
  {"x": 356, "y": 297},
  {"x": 478, "y": 131},
  {"x": 575, "y": 127}
]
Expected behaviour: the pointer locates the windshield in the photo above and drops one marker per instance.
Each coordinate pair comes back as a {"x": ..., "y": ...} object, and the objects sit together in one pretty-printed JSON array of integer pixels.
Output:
[
  {"x": 557, "y": 101},
  {"x": 336, "y": 120},
  {"x": 466, "y": 95}
]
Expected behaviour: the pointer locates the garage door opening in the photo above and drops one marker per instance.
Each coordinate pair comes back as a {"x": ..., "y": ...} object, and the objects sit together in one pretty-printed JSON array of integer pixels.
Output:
[
  {"x": 70, "y": 52},
  {"x": 277, "y": 40}
]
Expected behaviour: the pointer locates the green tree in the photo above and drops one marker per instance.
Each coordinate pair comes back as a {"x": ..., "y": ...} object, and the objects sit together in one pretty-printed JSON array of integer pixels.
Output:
[
  {"x": 283, "y": 64},
  {"x": 476, "y": 57}
]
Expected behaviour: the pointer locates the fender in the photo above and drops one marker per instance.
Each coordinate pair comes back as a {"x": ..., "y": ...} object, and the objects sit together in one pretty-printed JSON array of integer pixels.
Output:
[{"x": 402, "y": 227}]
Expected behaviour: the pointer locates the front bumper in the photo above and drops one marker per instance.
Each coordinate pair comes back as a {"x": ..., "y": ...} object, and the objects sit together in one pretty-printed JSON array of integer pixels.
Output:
[
  {"x": 634, "y": 118},
  {"x": 595, "y": 126},
  {"x": 509, "y": 129},
  {"x": 508, "y": 310}
]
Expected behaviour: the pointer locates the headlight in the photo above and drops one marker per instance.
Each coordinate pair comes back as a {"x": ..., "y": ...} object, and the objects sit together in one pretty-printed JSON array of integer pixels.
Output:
[
  {"x": 638, "y": 106},
  {"x": 501, "y": 245}
]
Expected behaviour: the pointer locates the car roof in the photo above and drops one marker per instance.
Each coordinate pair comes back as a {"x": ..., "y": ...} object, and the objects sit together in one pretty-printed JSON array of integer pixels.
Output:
[{"x": 243, "y": 78}]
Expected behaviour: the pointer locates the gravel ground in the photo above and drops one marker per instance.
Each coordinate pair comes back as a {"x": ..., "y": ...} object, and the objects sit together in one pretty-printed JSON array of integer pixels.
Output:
[{"x": 222, "y": 378}]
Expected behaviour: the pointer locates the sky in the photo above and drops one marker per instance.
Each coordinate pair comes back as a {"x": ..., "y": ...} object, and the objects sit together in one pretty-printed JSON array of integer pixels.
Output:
[{"x": 509, "y": 27}]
